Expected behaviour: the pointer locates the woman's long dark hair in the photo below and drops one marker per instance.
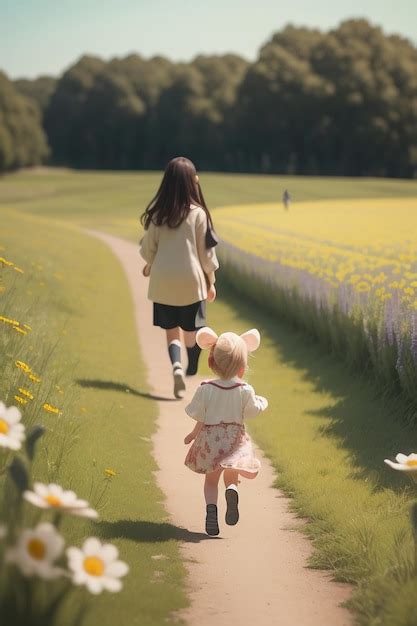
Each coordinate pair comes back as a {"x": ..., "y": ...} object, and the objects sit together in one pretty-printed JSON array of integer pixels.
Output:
[{"x": 178, "y": 190}]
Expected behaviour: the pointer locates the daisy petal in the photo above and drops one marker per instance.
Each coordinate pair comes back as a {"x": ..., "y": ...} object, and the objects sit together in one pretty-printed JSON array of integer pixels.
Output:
[
  {"x": 117, "y": 569},
  {"x": 392, "y": 464},
  {"x": 12, "y": 415},
  {"x": 94, "y": 585},
  {"x": 112, "y": 584},
  {"x": 91, "y": 546},
  {"x": 401, "y": 458},
  {"x": 90, "y": 513},
  {"x": 109, "y": 553}
]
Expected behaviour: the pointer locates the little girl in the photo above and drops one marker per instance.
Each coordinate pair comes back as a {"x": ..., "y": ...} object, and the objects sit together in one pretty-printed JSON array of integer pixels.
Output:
[
  {"x": 220, "y": 407},
  {"x": 180, "y": 264}
]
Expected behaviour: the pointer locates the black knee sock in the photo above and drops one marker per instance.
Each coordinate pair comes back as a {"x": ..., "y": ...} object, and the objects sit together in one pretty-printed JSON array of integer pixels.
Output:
[
  {"x": 193, "y": 356},
  {"x": 174, "y": 350}
]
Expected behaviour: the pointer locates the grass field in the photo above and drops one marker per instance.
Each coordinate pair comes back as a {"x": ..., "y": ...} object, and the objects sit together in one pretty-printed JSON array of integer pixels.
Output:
[
  {"x": 114, "y": 201},
  {"x": 75, "y": 298},
  {"x": 327, "y": 431}
]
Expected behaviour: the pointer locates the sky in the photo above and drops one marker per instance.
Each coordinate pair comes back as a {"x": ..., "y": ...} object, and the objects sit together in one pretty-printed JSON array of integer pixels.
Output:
[{"x": 47, "y": 36}]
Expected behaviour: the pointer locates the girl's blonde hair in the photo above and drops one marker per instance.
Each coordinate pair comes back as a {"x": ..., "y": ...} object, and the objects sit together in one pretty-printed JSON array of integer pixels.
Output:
[
  {"x": 229, "y": 352},
  {"x": 229, "y": 356}
]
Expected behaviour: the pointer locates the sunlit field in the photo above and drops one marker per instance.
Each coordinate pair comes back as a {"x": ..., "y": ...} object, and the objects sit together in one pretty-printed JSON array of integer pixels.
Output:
[
  {"x": 346, "y": 270},
  {"x": 339, "y": 265}
]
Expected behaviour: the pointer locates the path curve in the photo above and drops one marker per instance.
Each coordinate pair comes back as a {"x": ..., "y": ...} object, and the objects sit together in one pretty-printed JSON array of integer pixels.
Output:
[{"x": 255, "y": 573}]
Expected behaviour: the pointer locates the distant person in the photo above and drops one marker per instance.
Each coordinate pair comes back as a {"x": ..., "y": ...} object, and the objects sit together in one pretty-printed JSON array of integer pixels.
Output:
[
  {"x": 180, "y": 262},
  {"x": 220, "y": 407},
  {"x": 286, "y": 199}
]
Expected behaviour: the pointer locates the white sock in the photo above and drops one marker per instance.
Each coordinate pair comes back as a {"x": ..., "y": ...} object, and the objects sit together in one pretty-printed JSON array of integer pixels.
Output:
[{"x": 232, "y": 487}]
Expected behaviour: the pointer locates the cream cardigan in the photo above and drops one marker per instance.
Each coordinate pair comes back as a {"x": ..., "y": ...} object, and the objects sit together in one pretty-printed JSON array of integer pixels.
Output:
[{"x": 179, "y": 260}]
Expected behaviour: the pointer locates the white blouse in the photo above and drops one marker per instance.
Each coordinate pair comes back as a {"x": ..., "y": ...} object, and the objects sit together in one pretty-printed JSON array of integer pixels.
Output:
[{"x": 226, "y": 401}]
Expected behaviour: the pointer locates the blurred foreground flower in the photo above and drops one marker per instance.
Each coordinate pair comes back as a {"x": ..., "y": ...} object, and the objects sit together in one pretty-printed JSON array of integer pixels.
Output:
[
  {"x": 405, "y": 463},
  {"x": 97, "y": 566},
  {"x": 12, "y": 432},
  {"x": 54, "y": 497},
  {"x": 36, "y": 552}
]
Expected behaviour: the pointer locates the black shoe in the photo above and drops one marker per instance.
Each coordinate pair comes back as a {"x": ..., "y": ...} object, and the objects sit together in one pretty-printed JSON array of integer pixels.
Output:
[
  {"x": 212, "y": 525},
  {"x": 193, "y": 356},
  {"x": 232, "y": 512}
]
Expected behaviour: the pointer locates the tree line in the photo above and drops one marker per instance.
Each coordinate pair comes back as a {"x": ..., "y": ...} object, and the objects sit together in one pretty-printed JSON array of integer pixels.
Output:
[{"x": 342, "y": 102}]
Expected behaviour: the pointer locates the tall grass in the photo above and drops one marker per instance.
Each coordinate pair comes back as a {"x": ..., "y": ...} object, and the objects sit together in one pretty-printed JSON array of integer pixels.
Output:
[{"x": 75, "y": 299}]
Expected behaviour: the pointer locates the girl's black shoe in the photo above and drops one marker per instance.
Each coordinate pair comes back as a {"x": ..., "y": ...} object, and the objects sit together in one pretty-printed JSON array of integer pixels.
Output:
[
  {"x": 212, "y": 525},
  {"x": 193, "y": 356},
  {"x": 232, "y": 512}
]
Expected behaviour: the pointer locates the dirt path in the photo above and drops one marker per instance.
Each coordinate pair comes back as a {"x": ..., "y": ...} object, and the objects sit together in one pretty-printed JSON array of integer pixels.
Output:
[{"x": 255, "y": 573}]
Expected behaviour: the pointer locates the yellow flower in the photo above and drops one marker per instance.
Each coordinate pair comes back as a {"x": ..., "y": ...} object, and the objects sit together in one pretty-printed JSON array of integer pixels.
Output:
[
  {"x": 18, "y": 269},
  {"x": 8, "y": 320},
  {"x": 27, "y": 327},
  {"x": 26, "y": 393},
  {"x": 20, "y": 400},
  {"x": 34, "y": 378},
  {"x": 5, "y": 261},
  {"x": 110, "y": 472},
  {"x": 363, "y": 286},
  {"x": 22, "y": 331},
  {"x": 23, "y": 366},
  {"x": 51, "y": 409}
]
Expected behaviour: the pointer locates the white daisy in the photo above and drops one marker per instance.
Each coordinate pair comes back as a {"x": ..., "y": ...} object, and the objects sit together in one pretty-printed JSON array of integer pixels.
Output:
[
  {"x": 36, "y": 551},
  {"x": 405, "y": 463},
  {"x": 12, "y": 432},
  {"x": 54, "y": 497},
  {"x": 96, "y": 566}
]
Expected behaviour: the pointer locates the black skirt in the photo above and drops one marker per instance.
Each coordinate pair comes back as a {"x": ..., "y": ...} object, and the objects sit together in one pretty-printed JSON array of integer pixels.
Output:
[{"x": 189, "y": 317}]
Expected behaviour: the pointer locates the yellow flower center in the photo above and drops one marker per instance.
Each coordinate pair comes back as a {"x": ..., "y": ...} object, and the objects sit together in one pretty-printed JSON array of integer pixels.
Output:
[
  {"x": 411, "y": 462},
  {"x": 94, "y": 566},
  {"x": 53, "y": 500},
  {"x": 4, "y": 427},
  {"x": 36, "y": 549}
]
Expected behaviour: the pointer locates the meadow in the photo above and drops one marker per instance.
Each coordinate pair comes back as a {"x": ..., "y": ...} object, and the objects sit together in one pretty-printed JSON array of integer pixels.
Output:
[
  {"x": 329, "y": 428},
  {"x": 73, "y": 369},
  {"x": 346, "y": 272}
]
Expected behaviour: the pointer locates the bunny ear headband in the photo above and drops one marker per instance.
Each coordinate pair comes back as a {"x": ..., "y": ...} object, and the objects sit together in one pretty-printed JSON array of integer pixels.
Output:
[{"x": 207, "y": 338}]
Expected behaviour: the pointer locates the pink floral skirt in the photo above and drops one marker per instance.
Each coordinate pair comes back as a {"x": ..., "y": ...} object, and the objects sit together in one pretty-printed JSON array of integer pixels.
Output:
[{"x": 222, "y": 445}]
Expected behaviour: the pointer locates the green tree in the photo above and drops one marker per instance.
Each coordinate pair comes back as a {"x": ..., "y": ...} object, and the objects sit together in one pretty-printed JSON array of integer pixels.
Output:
[
  {"x": 22, "y": 140},
  {"x": 68, "y": 133},
  {"x": 39, "y": 90}
]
